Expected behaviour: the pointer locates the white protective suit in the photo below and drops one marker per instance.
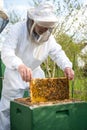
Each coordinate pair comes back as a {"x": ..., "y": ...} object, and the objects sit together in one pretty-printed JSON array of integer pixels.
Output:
[{"x": 18, "y": 49}]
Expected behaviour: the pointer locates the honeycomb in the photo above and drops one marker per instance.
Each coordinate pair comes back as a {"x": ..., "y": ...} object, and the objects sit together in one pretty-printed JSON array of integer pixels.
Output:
[{"x": 49, "y": 89}]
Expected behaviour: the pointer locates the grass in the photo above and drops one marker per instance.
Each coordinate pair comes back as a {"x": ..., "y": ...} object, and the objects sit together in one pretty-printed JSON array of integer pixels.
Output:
[{"x": 78, "y": 88}]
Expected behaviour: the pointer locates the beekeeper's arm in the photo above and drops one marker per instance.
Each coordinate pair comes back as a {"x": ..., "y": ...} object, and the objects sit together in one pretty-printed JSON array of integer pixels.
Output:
[
  {"x": 59, "y": 56},
  {"x": 9, "y": 57}
]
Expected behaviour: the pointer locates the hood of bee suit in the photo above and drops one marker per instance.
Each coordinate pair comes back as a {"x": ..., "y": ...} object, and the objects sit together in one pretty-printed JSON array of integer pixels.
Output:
[{"x": 43, "y": 14}]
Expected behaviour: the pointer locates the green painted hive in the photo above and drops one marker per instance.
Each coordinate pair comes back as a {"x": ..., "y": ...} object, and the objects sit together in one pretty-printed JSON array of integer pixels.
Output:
[{"x": 64, "y": 115}]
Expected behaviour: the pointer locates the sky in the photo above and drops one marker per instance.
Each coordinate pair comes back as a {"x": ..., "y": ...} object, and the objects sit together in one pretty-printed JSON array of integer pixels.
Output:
[
  {"x": 16, "y": 2},
  {"x": 22, "y": 5},
  {"x": 12, "y": 3}
]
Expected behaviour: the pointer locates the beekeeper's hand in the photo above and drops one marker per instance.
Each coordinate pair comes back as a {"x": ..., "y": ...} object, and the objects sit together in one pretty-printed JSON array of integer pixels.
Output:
[
  {"x": 25, "y": 72},
  {"x": 69, "y": 73}
]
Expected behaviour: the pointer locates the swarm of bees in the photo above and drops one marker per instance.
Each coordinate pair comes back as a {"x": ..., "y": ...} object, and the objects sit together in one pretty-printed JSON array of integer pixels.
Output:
[{"x": 49, "y": 89}]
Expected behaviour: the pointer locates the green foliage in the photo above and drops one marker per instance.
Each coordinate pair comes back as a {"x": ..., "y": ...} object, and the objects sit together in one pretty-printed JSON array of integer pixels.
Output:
[
  {"x": 51, "y": 69},
  {"x": 85, "y": 70},
  {"x": 79, "y": 88},
  {"x": 68, "y": 45}
]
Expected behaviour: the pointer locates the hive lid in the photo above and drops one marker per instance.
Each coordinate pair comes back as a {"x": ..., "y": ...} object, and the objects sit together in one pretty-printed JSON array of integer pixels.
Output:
[{"x": 49, "y": 89}]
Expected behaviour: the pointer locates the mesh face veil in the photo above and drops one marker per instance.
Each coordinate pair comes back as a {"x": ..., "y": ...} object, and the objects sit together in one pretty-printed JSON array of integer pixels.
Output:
[{"x": 39, "y": 38}]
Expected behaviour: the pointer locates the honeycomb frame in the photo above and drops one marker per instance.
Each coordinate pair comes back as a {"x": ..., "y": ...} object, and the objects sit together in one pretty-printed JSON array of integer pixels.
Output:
[{"x": 49, "y": 89}]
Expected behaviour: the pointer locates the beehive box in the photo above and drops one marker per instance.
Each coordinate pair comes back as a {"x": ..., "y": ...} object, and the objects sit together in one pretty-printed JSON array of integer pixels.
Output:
[
  {"x": 61, "y": 115},
  {"x": 48, "y": 108},
  {"x": 49, "y": 89}
]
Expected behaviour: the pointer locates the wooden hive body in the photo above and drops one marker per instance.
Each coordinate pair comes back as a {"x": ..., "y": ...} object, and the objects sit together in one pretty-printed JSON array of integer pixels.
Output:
[{"x": 49, "y": 89}]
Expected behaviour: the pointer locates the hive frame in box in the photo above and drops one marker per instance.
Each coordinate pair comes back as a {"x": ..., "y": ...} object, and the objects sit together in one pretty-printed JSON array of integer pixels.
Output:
[{"x": 49, "y": 89}]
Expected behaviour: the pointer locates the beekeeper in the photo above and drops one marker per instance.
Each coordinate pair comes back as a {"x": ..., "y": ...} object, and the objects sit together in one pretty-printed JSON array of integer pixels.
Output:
[{"x": 27, "y": 45}]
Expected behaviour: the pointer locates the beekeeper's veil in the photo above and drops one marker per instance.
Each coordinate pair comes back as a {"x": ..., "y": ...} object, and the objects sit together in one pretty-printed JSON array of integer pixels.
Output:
[{"x": 42, "y": 15}]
